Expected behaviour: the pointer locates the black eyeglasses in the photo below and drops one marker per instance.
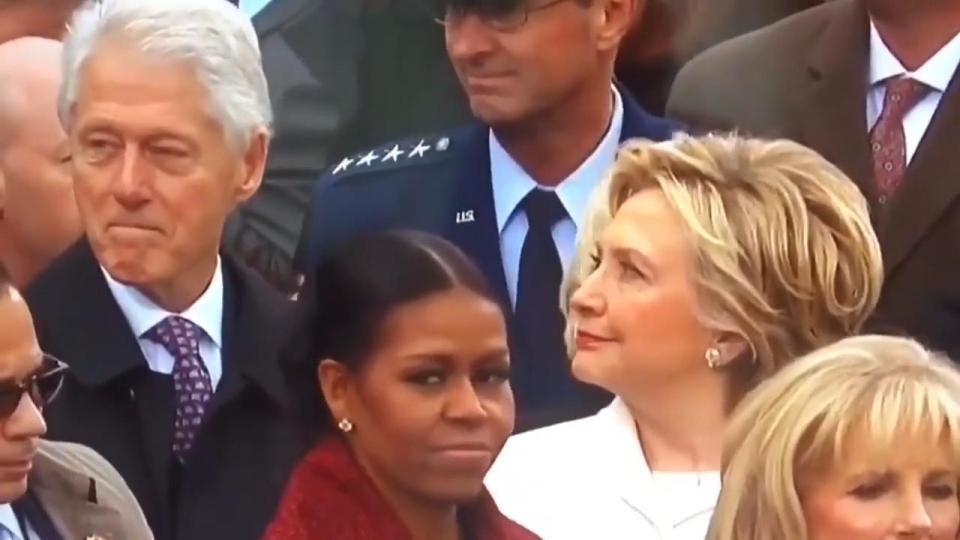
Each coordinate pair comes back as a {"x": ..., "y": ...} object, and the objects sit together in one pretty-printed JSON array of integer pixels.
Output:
[
  {"x": 42, "y": 387},
  {"x": 505, "y": 17}
]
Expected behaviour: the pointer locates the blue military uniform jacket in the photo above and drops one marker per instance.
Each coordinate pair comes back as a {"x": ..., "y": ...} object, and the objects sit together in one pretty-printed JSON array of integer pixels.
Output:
[{"x": 442, "y": 185}]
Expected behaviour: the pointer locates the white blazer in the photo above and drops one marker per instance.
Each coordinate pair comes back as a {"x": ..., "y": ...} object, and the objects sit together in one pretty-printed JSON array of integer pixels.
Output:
[{"x": 588, "y": 479}]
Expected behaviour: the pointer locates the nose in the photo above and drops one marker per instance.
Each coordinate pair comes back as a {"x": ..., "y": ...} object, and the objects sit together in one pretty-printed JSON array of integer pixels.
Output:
[
  {"x": 462, "y": 402},
  {"x": 913, "y": 520},
  {"x": 589, "y": 300},
  {"x": 129, "y": 187},
  {"x": 469, "y": 38},
  {"x": 26, "y": 421}
]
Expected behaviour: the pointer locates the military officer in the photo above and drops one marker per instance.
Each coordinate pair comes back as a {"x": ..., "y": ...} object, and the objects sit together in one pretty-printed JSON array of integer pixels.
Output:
[{"x": 511, "y": 189}]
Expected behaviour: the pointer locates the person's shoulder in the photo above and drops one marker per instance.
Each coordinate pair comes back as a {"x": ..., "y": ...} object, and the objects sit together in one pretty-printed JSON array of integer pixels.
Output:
[
  {"x": 546, "y": 447},
  {"x": 61, "y": 277},
  {"x": 777, "y": 42},
  {"x": 57, "y": 460}
]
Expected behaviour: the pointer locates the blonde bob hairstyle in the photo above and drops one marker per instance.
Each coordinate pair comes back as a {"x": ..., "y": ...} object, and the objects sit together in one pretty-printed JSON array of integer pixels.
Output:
[
  {"x": 785, "y": 256},
  {"x": 798, "y": 425}
]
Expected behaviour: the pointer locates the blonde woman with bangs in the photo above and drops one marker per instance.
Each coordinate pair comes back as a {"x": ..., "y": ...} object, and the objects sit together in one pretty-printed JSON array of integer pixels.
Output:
[
  {"x": 706, "y": 265},
  {"x": 856, "y": 441}
]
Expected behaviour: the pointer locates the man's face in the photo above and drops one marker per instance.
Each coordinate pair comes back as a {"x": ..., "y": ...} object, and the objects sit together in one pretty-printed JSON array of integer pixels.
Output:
[
  {"x": 40, "y": 217},
  {"x": 155, "y": 177},
  {"x": 20, "y": 432},
  {"x": 514, "y": 75}
]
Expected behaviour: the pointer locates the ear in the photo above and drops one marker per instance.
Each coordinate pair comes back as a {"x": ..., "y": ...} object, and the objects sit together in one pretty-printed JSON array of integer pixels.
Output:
[
  {"x": 617, "y": 18},
  {"x": 732, "y": 347},
  {"x": 335, "y": 382},
  {"x": 255, "y": 163}
]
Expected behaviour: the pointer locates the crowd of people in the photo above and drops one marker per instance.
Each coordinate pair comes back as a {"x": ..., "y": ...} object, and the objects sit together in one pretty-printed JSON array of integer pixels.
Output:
[{"x": 463, "y": 270}]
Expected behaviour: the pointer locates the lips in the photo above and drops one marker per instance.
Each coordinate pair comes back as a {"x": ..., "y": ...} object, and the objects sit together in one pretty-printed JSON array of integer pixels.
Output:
[
  {"x": 588, "y": 341},
  {"x": 465, "y": 455}
]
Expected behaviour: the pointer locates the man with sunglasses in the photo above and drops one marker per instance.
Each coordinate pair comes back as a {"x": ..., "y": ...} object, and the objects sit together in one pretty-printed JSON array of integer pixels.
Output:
[
  {"x": 512, "y": 188},
  {"x": 49, "y": 490}
]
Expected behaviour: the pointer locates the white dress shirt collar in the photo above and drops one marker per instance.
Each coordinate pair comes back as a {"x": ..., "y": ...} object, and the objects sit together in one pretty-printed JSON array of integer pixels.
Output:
[
  {"x": 143, "y": 314},
  {"x": 935, "y": 73},
  {"x": 511, "y": 183},
  {"x": 9, "y": 523}
]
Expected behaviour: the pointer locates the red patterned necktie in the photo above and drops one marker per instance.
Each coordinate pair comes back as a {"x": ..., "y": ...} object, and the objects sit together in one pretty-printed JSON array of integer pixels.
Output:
[
  {"x": 887, "y": 140},
  {"x": 191, "y": 382}
]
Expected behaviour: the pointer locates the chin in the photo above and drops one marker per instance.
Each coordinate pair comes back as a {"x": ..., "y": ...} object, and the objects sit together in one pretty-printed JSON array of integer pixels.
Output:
[
  {"x": 587, "y": 368},
  {"x": 457, "y": 491},
  {"x": 11, "y": 490},
  {"x": 493, "y": 112}
]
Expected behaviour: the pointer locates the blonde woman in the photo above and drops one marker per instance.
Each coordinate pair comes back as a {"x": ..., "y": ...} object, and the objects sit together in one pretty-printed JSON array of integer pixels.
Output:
[
  {"x": 707, "y": 264},
  {"x": 857, "y": 441}
]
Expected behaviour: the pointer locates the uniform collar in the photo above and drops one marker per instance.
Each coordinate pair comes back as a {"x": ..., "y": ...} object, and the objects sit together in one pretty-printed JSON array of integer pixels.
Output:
[
  {"x": 8, "y": 521},
  {"x": 143, "y": 314},
  {"x": 511, "y": 183}
]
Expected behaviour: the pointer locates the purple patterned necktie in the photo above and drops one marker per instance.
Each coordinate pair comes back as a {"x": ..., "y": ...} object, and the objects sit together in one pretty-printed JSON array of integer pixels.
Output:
[
  {"x": 887, "y": 140},
  {"x": 191, "y": 382}
]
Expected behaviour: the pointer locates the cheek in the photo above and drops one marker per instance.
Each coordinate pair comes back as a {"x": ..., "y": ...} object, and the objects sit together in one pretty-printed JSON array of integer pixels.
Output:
[
  {"x": 659, "y": 325},
  {"x": 831, "y": 517},
  {"x": 395, "y": 419},
  {"x": 945, "y": 517}
]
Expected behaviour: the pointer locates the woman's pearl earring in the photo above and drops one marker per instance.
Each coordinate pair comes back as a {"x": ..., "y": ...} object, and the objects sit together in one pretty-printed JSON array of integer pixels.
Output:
[
  {"x": 713, "y": 357},
  {"x": 345, "y": 425}
]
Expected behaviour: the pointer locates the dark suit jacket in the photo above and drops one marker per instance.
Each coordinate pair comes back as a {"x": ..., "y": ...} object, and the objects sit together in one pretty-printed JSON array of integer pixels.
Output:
[
  {"x": 446, "y": 189},
  {"x": 805, "y": 78},
  {"x": 343, "y": 75},
  {"x": 113, "y": 403}
]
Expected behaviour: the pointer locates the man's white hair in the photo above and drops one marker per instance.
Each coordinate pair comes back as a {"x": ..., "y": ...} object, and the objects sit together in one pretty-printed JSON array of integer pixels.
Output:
[{"x": 212, "y": 36}]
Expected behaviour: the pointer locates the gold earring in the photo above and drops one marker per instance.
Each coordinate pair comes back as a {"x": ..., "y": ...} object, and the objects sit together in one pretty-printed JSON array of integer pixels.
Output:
[
  {"x": 713, "y": 357},
  {"x": 345, "y": 425}
]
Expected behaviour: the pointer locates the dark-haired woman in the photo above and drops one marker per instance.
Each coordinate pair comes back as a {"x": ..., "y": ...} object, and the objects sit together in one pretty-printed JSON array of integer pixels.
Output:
[{"x": 403, "y": 382}]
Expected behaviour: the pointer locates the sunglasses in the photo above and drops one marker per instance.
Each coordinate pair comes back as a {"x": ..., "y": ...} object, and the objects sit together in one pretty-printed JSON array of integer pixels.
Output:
[{"x": 42, "y": 387}]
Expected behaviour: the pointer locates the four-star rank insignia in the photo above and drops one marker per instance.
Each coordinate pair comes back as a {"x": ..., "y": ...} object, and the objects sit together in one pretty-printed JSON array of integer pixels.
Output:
[{"x": 412, "y": 151}]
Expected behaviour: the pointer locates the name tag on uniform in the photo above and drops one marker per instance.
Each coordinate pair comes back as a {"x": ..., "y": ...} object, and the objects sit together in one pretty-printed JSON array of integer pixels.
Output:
[{"x": 465, "y": 216}]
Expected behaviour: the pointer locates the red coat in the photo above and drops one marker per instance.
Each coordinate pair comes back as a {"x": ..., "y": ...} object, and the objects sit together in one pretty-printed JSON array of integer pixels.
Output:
[{"x": 330, "y": 497}]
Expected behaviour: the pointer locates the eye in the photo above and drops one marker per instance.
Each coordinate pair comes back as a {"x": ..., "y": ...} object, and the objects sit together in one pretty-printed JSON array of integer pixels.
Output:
[
  {"x": 432, "y": 377},
  {"x": 65, "y": 159},
  {"x": 940, "y": 491},
  {"x": 630, "y": 271},
  {"x": 869, "y": 491},
  {"x": 493, "y": 376},
  {"x": 595, "y": 259}
]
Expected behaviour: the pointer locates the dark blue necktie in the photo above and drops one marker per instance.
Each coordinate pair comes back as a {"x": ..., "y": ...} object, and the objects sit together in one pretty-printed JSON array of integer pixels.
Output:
[{"x": 539, "y": 322}]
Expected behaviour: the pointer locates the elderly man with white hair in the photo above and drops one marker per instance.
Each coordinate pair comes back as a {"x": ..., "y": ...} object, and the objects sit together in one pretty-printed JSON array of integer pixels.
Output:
[{"x": 173, "y": 345}]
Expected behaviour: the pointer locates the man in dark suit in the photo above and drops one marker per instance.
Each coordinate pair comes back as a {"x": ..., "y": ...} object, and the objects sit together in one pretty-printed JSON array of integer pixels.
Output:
[
  {"x": 512, "y": 188},
  {"x": 172, "y": 346},
  {"x": 336, "y": 69},
  {"x": 871, "y": 85}
]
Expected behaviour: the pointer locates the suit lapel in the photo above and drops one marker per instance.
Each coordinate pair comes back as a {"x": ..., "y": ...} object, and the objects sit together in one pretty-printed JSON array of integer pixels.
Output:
[
  {"x": 830, "y": 109},
  {"x": 246, "y": 359},
  {"x": 931, "y": 184},
  {"x": 63, "y": 495},
  {"x": 472, "y": 221},
  {"x": 112, "y": 358}
]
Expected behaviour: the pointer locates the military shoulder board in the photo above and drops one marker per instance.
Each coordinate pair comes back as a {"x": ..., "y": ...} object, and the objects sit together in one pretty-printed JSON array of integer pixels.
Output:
[{"x": 394, "y": 154}]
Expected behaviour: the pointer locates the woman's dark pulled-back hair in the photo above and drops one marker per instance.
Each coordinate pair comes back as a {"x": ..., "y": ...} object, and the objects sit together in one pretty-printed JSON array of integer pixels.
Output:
[{"x": 353, "y": 290}]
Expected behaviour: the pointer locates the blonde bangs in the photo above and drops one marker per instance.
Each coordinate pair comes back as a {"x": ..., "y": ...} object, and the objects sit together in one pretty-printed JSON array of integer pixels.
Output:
[{"x": 881, "y": 412}]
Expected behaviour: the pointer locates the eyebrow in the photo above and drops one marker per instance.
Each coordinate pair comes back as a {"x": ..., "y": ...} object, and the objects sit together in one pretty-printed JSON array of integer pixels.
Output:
[{"x": 635, "y": 255}]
